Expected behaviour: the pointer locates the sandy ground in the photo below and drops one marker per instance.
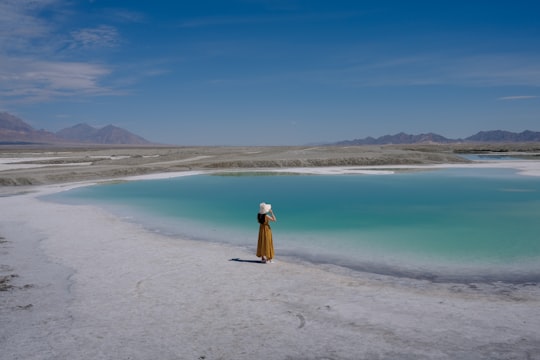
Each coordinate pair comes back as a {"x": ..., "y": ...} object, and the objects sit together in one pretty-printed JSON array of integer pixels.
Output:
[
  {"x": 18, "y": 166},
  {"x": 79, "y": 283}
]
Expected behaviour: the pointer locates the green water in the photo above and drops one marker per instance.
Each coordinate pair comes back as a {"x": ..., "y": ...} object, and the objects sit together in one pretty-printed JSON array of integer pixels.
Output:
[{"x": 480, "y": 222}]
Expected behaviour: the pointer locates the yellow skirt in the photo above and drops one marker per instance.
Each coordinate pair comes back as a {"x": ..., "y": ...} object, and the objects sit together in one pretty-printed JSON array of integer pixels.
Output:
[{"x": 265, "y": 245}]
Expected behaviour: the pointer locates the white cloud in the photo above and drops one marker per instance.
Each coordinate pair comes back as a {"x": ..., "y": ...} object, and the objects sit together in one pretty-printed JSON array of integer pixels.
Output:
[
  {"x": 519, "y": 97},
  {"x": 69, "y": 75},
  {"x": 125, "y": 16},
  {"x": 39, "y": 61},
  {"x": 101, "y": 36},
  {"x": 486, "y": 70},
  {"x": 212, "y": 21},
  {"x": 497, "y": 70},
  {"x": 20, "y": 27},
  {"x": 27, "y": 80}
]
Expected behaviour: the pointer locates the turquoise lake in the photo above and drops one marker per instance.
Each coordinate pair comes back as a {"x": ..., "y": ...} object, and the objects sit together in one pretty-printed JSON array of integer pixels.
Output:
[{"x": 445, "y": 225}]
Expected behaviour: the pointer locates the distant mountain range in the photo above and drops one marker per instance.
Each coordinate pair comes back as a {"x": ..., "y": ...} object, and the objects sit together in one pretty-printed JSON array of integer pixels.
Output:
[
  {"x": 15, "y": 131},
  {"x": 495, "y": 136}
]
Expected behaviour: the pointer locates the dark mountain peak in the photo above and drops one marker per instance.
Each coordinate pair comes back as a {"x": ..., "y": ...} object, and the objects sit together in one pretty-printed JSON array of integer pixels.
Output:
[
  {"x": 109, "y": 134},
  {"x": 14, "y": 130},
  {"x": 482, "y": 136},
  {"x": 83, "y": 126},
  {"x": 505, "y": 136},
  {"x": 13, "y": 123},
  {"x": 399, "y": 138},
  {"x": 80, "y": 132}
]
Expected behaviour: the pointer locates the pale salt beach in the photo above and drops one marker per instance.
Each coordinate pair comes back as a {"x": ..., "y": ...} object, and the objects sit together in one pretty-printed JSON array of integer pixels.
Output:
[
  {"x": 90, "y": 285},
  {"x": 397, "y": 143}
]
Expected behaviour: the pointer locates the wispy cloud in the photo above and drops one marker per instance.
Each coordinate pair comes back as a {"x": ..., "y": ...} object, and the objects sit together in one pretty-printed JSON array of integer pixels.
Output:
[
  {"x": 101, "y": 36},
  {"x": 519, "y": 97},
  {"x": 126, "y": 16},
  {"x": 30, "y": 80},
  {"x": 210, "y": 21},
  {"x": 20, "y": 28},
  {"x": 487, "y": 70},
  {"x": 497, "y": 70},
  {"x": 41, "y": 62}
]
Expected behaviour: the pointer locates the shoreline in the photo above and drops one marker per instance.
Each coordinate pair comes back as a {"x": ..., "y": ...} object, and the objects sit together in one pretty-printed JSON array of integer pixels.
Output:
[
  {"x": 117, "y": 290},
  {"x": 91, "y": 285},
  {"x": 442, "y": 273},
  {"x": 486, "y": 274}
]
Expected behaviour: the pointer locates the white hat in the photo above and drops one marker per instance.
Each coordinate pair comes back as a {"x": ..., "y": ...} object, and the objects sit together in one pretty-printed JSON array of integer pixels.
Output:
[{"x": 264, "y": 208}]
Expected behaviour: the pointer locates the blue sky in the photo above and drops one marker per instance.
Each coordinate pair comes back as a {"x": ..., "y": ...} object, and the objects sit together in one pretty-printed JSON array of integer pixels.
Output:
[{"x": 272, "y": 72}]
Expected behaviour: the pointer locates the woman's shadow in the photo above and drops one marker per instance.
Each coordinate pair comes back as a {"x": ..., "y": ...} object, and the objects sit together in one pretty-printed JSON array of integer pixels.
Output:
[{"x": 246, "y": 261}]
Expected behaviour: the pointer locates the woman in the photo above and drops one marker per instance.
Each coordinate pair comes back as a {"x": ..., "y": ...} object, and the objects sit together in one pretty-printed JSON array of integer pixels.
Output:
[{"x": 265, "y": 246}]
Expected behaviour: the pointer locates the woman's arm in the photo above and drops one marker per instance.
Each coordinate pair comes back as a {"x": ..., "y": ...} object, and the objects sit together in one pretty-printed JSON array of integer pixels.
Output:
[{"x": 273, "y": 216}]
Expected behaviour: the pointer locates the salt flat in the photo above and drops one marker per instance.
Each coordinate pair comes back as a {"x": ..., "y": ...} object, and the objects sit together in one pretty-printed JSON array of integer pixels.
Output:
[
  {"x": 89, "y": 285},
  {"x": 80, "y": 164}
]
